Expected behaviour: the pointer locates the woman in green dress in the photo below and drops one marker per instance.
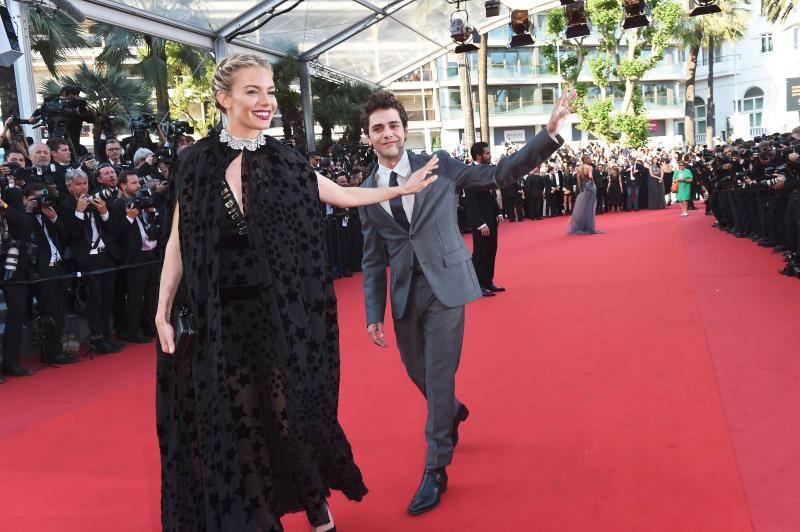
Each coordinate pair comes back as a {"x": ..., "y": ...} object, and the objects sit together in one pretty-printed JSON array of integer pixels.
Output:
[{"x": 684, "y": 177}]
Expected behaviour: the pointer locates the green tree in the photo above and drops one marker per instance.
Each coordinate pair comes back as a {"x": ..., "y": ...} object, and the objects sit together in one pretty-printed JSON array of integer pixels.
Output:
[
  {"x": 618, "y": 64},
  {"x": 777, "y": 10},
  {"x": 285, "y": 74},
  {"x": 191, "y": 88},
  {"x": 53, "y": 36},
  {"x": 150, "y": 61},
  {"x": 708, "y": 31}
]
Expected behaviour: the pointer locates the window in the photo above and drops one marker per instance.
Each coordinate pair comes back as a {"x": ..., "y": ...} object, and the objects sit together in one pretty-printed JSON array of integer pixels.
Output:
[
  {"x": 766, "y": 42},
  {"x": 753, "y": 104}
]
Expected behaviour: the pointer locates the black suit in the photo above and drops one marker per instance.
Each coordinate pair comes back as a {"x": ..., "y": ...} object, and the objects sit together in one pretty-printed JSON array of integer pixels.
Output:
[
  {"x": 20, "y": 225},
  {"x": 81, "y": 238},
  {"x": 512, "y": 201},
  {"x": 482, "y": 209},
  {"x": 554, "y": 195},
  {"x": 51, "y": 295},
  {"x": 139, "y": 297},
  {"x": 536, "y": 185}
]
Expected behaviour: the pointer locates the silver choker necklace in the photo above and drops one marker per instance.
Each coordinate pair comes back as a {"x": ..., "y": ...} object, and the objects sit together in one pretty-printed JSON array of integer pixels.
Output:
[{"x": 237, "y": 143}]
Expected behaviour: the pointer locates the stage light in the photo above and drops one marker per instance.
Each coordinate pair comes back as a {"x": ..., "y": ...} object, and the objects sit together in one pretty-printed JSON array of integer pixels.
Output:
[
  {"x": 634, "y": 14},
  {"x": 521, "y": 26},
  {"x": 577, "y": 21},
  {"x": 705, "y": 7},
  {"x": 492, "y": 8},
  {"x": 461, "y": 32},
  {"x": 567, "y": 2}
]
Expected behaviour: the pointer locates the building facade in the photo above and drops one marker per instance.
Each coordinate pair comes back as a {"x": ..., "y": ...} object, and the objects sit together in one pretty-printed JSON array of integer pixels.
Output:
[{"x": 751, "y": 80}]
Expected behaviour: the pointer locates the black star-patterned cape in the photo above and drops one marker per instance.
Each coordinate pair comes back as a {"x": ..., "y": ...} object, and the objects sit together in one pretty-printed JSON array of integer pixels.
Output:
[{"x": 245, "y": 440}]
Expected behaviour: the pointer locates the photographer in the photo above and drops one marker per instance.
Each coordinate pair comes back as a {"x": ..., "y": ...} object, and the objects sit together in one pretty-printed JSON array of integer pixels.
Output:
[
  {"x": 153, "y": 178},
  {"x": 64, "y": 116},
  {"x": 61, "y": 162},
  {"x": 139, "y": 243},
  {"x": 13, "y": 137},
  {"x": 46, "y": 256},
  {"x": 91, "y": 231},
  {"x": 13, "y": 168},
  {"x": 16, "y": 228}
]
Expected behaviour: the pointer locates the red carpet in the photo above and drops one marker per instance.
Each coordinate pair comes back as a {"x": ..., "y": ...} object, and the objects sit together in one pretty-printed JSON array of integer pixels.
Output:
[{"x": 641, "y": 380}]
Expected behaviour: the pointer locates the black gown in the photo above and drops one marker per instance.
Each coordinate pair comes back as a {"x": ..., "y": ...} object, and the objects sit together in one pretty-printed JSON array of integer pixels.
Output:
[{"x": 247, "y": 421}]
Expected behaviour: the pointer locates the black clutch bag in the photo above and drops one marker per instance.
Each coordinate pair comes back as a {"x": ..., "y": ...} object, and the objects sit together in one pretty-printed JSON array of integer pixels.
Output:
[{"x": 185, "y": 331}]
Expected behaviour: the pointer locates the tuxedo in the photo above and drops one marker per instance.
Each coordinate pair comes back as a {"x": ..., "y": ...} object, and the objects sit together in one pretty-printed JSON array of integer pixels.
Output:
[
  {"x": 50, "y": 238},
  {"x": 19, "y": 225},
  {"x": 93, "y": 239},
  {"x": 512, "y": 201},
  {"x": 482, "y": 209},
  {"x": 536, "y": 185},
  {"x": 554, "y": 195},
  {"x": 136, "y": 289}
]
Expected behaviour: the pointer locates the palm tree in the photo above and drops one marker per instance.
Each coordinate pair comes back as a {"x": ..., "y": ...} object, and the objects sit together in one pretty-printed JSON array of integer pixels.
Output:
[
  {"x": 466, "y": 100},
  {"x": 706, "y": 31},
  {"x": 108, "y": 91},
  {"x": 53, "y": 36},
  {"x": 483, "y": 89},
  {"x": 284, "y": 73},
  {"x": 777, "y": 10},
  {"x": 152, "y": 60}
]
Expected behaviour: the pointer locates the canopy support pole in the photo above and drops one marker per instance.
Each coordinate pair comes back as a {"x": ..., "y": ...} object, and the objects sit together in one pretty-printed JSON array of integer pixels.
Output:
[{"x": 308, "y": 105}]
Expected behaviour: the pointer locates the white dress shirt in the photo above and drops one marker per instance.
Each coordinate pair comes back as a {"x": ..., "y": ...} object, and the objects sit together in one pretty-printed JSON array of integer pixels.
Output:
[
  {"x": 54, "y": 254},
  {"x": 403, "y": 171},
  {"x": 95, "y": 232}
]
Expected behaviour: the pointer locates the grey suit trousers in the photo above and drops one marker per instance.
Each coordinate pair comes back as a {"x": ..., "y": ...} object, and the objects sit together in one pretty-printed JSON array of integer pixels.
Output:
[{"x": 429, "y": 337}]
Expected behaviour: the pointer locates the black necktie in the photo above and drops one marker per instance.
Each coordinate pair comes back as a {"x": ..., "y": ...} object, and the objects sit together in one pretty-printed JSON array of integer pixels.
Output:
[{"x": 396, "y": 204}]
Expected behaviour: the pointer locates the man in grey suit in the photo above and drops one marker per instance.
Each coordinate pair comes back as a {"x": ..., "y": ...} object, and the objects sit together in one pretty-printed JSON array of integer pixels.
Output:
[{"x": 432, "y": 276}]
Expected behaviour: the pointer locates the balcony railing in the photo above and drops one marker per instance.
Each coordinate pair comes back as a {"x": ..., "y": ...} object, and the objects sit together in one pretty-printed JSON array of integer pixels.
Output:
[
  {"x": 758, "y": 131},
  {"x": 700, "y": 138},
  {"x": 416, "y": 114}
]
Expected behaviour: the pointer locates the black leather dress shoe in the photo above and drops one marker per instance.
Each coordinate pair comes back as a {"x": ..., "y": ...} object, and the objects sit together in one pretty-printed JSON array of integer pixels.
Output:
[
  {"x": 2, "y": 380},
  {"x": 429, "y": 493},
  {"x": 102, "y": 347},
  {"x": 461, "y": 415},
  {"x": 59, "y": 359},
  {"x": 116, "y": 344},
  {"x": 487, "y": 293},
  {"x": 494, "y": 288},
  {"x": 16, "y": 370}
]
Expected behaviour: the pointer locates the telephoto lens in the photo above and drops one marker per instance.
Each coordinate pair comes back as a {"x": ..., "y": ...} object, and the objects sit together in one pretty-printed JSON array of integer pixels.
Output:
[{"x": 12, "y": 259}]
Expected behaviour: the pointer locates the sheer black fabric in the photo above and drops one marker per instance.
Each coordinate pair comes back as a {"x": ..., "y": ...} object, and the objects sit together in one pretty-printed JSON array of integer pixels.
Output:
[{"x": 247, "y": 421}]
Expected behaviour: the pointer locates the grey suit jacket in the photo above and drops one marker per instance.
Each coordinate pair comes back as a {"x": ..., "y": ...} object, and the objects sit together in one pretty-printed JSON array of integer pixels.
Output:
[{"x": 434, "y": 236}]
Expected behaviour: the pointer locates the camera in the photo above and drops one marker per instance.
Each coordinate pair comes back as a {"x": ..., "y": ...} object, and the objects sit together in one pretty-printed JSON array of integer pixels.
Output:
[
  {"x": 45, "y": 200},
  {"x": 143, "y": 123},
  {"x": 104, "y": 194},
  {"x": 107, "y": 126},
  {"x": 176, "y": 128},
  {"x": 141, "y": 201},
  {"x": 11, "y": 250}
]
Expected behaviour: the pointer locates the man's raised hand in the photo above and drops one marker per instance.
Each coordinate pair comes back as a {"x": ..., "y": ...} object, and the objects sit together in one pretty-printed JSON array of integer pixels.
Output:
[{"x": 561, "y": 111}]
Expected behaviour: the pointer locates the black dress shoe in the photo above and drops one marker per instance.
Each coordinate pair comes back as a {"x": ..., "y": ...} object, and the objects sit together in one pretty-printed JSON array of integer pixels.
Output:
[
  {"x": 15, "y": 370},
  {"x": 494, "y": 288},
  {"x": 116, "y": 344},
  {"x": 487, "y": 293},
  {"x": 2, "y": 380},
  {"x": 461, "y": 415},
  {"x": 429, "y": 493},
  {"x": 101, "y": 347},
  {"x": 59, "y": 359}
]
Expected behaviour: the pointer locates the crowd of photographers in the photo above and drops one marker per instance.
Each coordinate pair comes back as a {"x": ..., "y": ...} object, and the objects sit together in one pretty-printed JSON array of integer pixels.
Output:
[{"x": 81, "y": 232}]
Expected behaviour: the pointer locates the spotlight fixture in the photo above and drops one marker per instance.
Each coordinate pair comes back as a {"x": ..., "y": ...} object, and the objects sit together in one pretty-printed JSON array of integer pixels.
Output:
[
  {"x": 566, "y": 2},
  {"x": 577, "y": 21},
  {"x": 705, "y": 7},
  {"x": 521, "y": 26},
  {"x": 634, "y": 14},
  {"x": 461, "y": 32},
  {"x": 492, "y": 8}
]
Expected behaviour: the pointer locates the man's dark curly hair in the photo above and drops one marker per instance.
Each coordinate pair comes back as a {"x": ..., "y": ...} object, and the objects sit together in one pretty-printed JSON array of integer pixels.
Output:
[{"x": 381, "y": 100}]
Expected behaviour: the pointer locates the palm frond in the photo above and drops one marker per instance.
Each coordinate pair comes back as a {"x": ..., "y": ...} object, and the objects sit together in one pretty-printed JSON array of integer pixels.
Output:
[
  {"x": 117, "y": 44},
  {"x": 54, "y": 35},
  {"x": 777, "y": 10}
]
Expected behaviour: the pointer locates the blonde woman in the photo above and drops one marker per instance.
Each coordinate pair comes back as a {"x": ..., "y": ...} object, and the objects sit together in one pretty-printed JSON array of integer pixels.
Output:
[{"x": 247, "y": 417}]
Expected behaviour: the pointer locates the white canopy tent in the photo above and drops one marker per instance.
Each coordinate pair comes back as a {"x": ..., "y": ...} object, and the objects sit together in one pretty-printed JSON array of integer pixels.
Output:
[{"x": 370, "y": 41}]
